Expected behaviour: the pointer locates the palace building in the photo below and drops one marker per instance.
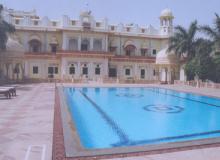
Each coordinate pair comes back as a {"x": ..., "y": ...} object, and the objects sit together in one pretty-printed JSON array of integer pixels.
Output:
[{"x": 87, "y": 49}]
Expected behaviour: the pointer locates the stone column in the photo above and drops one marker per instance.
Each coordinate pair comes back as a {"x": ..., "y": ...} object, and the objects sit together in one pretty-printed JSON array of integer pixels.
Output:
[
  {"x": 63, "y": 68},
  {"x": 90, "y": 70},
  {"x": 104, "y": 44},
  {"x": 105, "y": 69},
  {"x": 91, "y": 44},
  {"x": 45, "y": 49},
  {"x": 26, "y": 69},
  {"x": 65, "y": 42},
  {"x": 135, "y": 72},
  {"x": 79, "y": 42},
  {"x": 78, "y": 68},
  {"x": 25, "y": 41}
]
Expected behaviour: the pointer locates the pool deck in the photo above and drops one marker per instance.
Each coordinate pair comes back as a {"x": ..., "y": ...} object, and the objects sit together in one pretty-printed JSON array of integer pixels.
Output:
[{"x": 26, "y": 124}]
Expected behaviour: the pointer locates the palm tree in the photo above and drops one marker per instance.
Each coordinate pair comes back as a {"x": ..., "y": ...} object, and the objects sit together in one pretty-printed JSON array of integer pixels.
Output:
[
  {"x": 183, "y": 41},
  {"x": 213, "y": 33}
]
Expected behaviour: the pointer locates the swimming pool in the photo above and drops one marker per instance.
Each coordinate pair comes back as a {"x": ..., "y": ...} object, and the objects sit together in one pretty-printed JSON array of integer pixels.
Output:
[{"x": 117, "y": 117}]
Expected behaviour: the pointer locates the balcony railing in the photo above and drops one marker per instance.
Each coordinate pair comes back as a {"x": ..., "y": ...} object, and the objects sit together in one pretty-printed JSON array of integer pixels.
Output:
[{"x": 86, "y": 26}]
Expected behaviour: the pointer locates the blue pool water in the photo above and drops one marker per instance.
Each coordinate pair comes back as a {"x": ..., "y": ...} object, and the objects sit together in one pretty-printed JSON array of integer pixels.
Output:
[{"x": 115, "y": 117}]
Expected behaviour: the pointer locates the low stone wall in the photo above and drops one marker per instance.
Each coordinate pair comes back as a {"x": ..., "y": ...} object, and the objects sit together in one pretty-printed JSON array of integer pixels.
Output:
[
  {"x": 84, "y": 80},
  {"x": 198, "y": 84}
]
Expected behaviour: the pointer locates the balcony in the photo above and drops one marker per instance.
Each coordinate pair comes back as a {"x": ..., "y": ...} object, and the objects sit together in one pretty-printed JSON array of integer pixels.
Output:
[
  {"x": 86, "y": 54},
  {"x": 113, "y": 49},
  {"x": 141, "y": 59},
  {"x": 86, "y": 26},
  {"x": 41, "y": 55}
]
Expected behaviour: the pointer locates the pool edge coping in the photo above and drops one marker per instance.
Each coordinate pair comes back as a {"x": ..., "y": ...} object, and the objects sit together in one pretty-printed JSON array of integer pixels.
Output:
[{"x": 79, "y": 152}]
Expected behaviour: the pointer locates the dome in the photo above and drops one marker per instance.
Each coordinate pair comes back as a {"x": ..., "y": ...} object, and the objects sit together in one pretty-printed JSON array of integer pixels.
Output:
[
  {"x": 164, "y": 57},
  {"x": 85, "y": 13},
  {"x": 166, "y": 13},
  {"x": 14, "y": 45}
]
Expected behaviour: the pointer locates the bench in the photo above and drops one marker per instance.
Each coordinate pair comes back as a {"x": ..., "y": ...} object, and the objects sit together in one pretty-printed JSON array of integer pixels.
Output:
[
  {"x": 5, "y": 92},
  {"x": 12, "y": 90}
]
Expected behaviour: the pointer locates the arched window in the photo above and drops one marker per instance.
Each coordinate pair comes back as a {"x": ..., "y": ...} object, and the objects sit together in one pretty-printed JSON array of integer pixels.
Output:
[
  {"x": 130, "y": 50},
  {"x": 97, "y": 69},
  {"x": 35, "y": 46},
  {"x": 73, "y": 44},
  {"x": 97, "y": 45},
  {"x": 72, "y": 69},
  {"x": 85, "y": 69},
  {"x": 85, "y": 45}
]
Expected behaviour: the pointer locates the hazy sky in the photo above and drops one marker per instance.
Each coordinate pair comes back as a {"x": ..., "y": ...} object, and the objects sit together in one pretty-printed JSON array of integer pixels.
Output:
[{"x": 142, "y": 12}]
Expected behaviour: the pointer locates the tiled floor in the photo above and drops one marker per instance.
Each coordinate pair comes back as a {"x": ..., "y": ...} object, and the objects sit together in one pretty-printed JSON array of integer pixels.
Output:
[
  {"x": 26, "y": 121},
  {"x": 201, "y": 154},
  {"x": 26, "y": 125}
]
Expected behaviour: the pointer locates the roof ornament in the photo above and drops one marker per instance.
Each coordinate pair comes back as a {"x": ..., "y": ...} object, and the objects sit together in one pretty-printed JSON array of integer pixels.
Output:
[{"x": 87, "y": 9}]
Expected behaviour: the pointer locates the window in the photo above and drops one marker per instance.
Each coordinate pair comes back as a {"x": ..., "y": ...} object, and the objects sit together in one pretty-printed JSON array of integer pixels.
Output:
[
  {"x": 98, "y": 24},
  {"x": 56, "y": 70},
  {"x": 112, "y": 72},
  {"x": 35, "y": 46},
  {"x": 112, "y": 49},
  {"x": 143, "y": 52},
  {"x": 97, "y": 70},
  {"x": 53, "y": 48},
  {"x": 17, "y": 21},
  {"x": 154, "y": 51},
  {"x": 128, "y": 29},
  {"x": 142, "y": 73},
  {"x": 128, "y": 52},
  {"x": 35, "y": 70},
  {"x": 154, "y": 72},
  {"x": 142, "y": 30},
  {"x": 35, "y": 23},
  {"x": 97, "y": 45},
  {"x": 85, "y": 45},
  {"x": 112, "y": 28},
  {"x": 54, "y": 23},
  {"x": 85, "y": 70},
  {"x": 73, "y": 44},
  {"x": 52, "y": 70},
  {"x": 127, "y": 72},
  {"x": 72, "y": 69},
  {"x": 73, "y": 23}
]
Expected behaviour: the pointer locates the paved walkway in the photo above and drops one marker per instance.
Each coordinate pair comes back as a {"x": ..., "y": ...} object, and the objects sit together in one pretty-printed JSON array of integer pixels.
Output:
[
  {"x": 26, "y": 123},
  {"x": 203, "y": 91},
  {"x": 26, "y": 126},
  {"x": 200, "y": 154}
]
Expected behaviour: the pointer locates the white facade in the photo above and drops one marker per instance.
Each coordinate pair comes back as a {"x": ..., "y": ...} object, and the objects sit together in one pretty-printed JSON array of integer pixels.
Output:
[{"x": 89, "y": 49}]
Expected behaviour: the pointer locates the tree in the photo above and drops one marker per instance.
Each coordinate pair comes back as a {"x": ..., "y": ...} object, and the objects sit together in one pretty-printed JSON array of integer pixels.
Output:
[
  {"x": 213, "y": 33},
  {"x": 191, "y": 69},
  {"x": 205, "y": 65},
  {"x": 217, "y": 69},
  {"x": 202, "y": 65},
  {"x": 183, "y": 41},
  {"x": 5, "y": 29}
]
